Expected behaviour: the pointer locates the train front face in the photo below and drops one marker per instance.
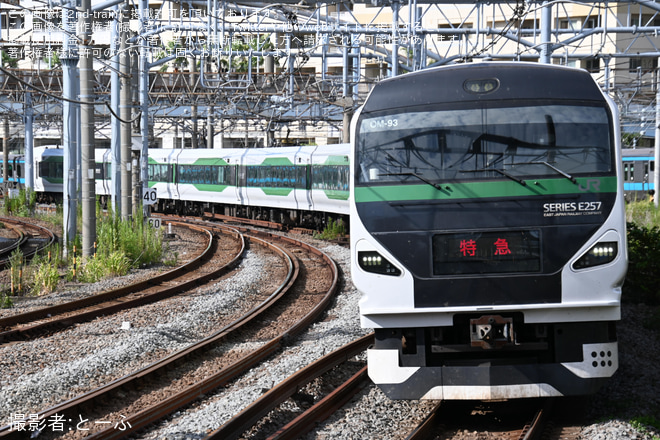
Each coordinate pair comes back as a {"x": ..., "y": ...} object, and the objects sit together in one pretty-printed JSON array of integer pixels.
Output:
[{"x": 488, "y": 232}]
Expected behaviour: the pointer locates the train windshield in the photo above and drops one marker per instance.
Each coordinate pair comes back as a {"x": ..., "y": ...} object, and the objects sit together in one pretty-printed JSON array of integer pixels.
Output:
[{"x": 485, "y": 143}]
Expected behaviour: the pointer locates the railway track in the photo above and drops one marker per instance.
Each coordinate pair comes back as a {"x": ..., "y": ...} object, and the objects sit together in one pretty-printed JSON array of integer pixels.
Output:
[
  {"x": 305, "y": 421},
  {"x": 27, "y": 237},
  {"x": 511, "y": 420},
  {"x": 151, "y": 393},
  {"x": 211, "y": 263}
]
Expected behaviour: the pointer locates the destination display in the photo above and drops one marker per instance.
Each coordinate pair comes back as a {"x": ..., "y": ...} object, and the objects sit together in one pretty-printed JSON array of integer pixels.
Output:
[{"x": 486, "y": 252}]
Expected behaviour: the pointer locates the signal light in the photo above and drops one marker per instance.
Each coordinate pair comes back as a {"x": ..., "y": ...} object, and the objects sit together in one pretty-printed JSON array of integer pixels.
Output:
[
  {"x": 375, "y": 263},
  {"x": 600, "y": 253}
]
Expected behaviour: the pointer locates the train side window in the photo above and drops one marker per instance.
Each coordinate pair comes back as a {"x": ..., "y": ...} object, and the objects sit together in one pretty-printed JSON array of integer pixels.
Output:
[
  {"x": 159, "y": 172},
  {"x": 331, "y": 177},
  {"x": 652, "y": 166}
]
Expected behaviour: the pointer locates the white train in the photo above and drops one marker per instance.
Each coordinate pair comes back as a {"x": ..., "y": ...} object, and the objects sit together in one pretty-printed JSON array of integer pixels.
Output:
[{"x": 488, "y": 232}]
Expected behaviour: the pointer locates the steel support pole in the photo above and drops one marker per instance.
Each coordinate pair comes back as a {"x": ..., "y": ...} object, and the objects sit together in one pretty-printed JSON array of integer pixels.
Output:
[
  {"x": 194, "y": 141},
  {"x": 209, "y": 128},
  {"x": 5, "y": 153},
  {"x": 125, "y": 114},
  {"x": 656, "y": 174},
  {"x": 70, "y": 126},
  {"x": 115, "y": 125},
  {"x": 144, "y": 101},
  {"x": 395, "y": 36},
  {"x": 29, "y": 142},
  {"x": 546, "y": 26},
  {"x": 88, "y": 162}
]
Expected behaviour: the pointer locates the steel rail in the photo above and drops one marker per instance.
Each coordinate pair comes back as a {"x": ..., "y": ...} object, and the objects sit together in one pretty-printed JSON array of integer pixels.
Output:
[
  {"x": 426, "y": 427},
  {"x": 193, "y": 392},
  {"x": 534, "y": 431},
  {"x": 115, "y": 295},
  {"x": 241, "y": 422},
  {"x": 11, "y": 247},
  {"x": 325, "y": 408},
  {"x": 23, "y": 238}
]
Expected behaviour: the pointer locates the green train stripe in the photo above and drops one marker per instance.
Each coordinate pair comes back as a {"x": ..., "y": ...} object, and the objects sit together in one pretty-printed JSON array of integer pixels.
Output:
[
  {"x": 477, "y": 190},
  {"x": 209, "y": 161},
  {"x": 336, "y": 160},
  {"x": 207, "y": 187},
  {"x": 277, "y": 161},
  {"x": 282, "y": 192},
  {"x": 57, "y": 180},
  {"x": 336, "y": 195}
]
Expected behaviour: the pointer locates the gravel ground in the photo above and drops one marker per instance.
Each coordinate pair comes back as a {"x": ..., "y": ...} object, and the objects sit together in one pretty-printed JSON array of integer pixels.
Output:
[{"x": 35, "y": 376}]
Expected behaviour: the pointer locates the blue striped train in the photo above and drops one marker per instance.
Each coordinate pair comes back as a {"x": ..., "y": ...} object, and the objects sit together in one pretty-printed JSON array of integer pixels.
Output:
[{"x": 638, "y": 173}]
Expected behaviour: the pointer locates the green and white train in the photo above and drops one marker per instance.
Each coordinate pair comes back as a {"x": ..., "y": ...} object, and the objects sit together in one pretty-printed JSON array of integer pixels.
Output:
[{"x": 303, "y": 186}]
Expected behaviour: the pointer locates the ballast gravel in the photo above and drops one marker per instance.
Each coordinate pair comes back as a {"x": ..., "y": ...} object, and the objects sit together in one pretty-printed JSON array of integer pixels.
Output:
[{"x": 41, "y": 373}]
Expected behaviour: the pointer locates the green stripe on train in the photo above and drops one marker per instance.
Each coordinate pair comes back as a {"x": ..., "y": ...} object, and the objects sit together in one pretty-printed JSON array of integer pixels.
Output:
[
  {"x": 277, "y": 161},
  {"x": 476, "y": 190},
  {"x": 210, "y": 161},
  {"x": 336, "y": 160},
  {"x": 201, "y": 161},
  {"x": 336, "y": 194},
  {"x": 209, "y": 187},
  {"x": 280, "y": 192}
]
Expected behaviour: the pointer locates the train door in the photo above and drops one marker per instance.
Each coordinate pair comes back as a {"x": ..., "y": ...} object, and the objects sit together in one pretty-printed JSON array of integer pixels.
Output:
[
  {"x": 649, "y": 171},
  {"x": 16, "y": 170},
  {"x": 304, "y": 198},
  {"x": 241, "y": 184},
  {"x": 174, "y": 162},
  {"x": 640, "y": 174}
]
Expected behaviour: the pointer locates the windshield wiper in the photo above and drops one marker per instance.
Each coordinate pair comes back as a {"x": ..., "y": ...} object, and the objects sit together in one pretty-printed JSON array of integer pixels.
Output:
[
  {"x": 423, "y": 179},
  {"x": 563, "y": 173},
  {"x": 504, "y": 173}
]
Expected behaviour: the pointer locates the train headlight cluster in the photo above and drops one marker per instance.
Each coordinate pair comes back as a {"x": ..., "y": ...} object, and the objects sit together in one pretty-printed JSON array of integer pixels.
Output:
[
  {"x": 375, "y": 263},
  {"x": 600, "y": 253}
]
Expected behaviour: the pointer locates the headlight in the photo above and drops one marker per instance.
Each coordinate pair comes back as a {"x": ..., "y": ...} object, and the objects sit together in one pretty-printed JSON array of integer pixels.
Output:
[
  {"x": 600, "y": 253},
  {"x": 375, "y": 263}
]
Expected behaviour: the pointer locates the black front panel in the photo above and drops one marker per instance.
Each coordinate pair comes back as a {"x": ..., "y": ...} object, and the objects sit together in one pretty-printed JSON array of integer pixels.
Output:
[
  {"x": 434, "y": 242},
  {"x": 488, "y": 291}
]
